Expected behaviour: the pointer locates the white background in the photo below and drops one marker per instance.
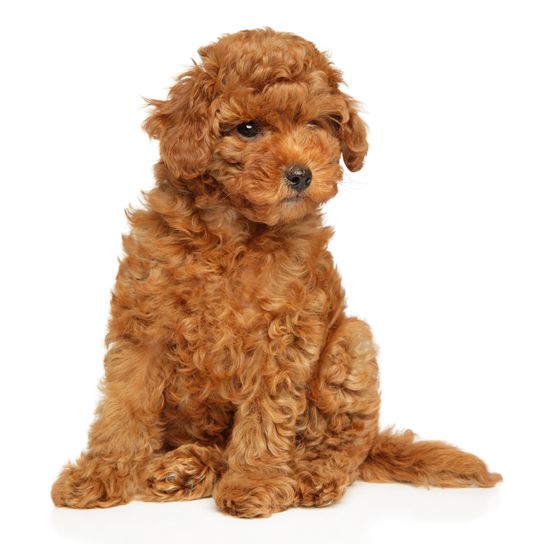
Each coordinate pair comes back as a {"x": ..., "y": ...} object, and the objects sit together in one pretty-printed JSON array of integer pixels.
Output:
[{"x": 439, "y": 241}]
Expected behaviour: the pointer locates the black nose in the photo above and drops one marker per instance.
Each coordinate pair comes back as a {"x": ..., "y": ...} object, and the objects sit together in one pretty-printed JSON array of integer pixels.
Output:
[{"x": 298, "y": 177}]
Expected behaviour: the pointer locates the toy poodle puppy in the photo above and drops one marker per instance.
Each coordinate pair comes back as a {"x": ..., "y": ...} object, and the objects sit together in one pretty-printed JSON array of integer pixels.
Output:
[{"x": 232, "y": 370}]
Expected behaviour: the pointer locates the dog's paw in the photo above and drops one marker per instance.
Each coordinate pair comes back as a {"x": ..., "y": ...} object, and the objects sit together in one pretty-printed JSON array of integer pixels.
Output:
[
  {"x": 251, "y": 497},
  {"x": 316, "y": 489},
  {"x": 90, "y": 485},
  {"x": 188, "y": 472}
]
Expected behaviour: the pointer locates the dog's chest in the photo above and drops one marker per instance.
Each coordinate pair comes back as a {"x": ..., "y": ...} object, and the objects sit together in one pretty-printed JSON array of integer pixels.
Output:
[
  {"x": 233, "y": 298},
  {"x": 239, "y": 318}
]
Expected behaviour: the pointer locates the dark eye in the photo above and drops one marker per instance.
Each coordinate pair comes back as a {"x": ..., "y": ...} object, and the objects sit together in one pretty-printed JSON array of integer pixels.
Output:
[
  {"x": 249, "y": 129},
  {"x": 314, "y": 123}
]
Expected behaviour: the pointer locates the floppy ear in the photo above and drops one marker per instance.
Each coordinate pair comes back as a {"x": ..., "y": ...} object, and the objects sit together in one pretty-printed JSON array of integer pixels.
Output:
[
  {"x": 353, "y": 137},
  {"x": 182, "y": 124}
]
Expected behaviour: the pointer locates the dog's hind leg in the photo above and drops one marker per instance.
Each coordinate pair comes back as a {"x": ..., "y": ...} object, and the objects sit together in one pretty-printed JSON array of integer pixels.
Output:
[
  {"x": 124, "y": 435},
  {"x": 340, "y": 423}
]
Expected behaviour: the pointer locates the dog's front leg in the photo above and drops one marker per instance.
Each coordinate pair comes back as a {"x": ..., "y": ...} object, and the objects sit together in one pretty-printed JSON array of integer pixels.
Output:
[
  {"x": 124, "y": 435},
  {"x": 259, "y": 480}
]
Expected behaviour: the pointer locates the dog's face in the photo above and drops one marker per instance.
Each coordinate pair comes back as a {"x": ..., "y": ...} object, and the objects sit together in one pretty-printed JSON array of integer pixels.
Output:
[{"x": 262, "y": 117}]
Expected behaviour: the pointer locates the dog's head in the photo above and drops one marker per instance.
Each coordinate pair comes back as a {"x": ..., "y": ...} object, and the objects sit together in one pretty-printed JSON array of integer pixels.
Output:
[{"x": 262, "y": 116}]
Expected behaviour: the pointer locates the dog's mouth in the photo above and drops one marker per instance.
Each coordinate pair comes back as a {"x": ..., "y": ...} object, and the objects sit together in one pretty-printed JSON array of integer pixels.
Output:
[{"x": 294, "y": 199}]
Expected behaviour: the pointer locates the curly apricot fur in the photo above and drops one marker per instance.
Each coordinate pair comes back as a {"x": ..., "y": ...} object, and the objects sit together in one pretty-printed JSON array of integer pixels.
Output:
[{"x": 232, "y": 370}]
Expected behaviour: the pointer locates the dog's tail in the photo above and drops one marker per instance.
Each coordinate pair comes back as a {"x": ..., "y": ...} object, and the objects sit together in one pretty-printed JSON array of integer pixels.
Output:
[{"x": 400, "y": 458}]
